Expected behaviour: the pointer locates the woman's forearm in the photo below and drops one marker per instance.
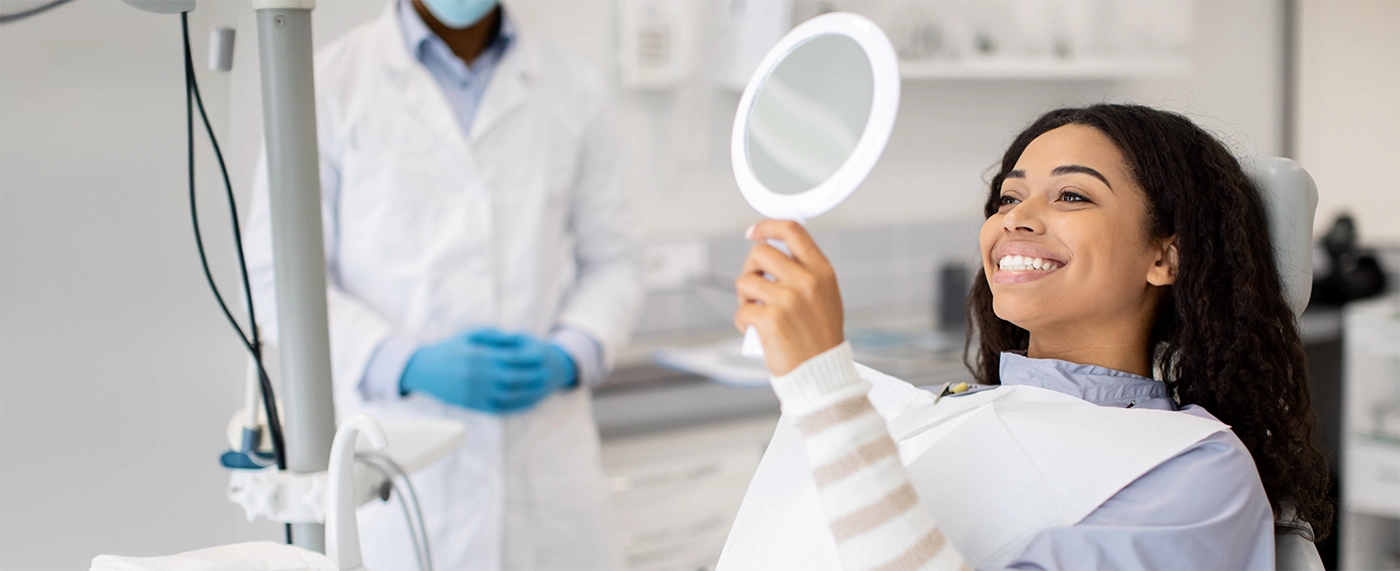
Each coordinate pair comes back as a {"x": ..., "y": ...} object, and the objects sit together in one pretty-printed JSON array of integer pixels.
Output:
[{"x": 874, "y": 512}]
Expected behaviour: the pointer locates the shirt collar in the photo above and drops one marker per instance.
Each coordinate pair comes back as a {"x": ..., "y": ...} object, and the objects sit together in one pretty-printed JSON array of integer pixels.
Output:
[
  {"x": 1098, "y": 385},
  {"x": 418, "y": 36}
]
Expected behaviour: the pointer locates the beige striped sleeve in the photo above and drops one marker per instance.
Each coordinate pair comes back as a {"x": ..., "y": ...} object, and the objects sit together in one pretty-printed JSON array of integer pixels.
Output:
[{"x": 874, "y": 512}]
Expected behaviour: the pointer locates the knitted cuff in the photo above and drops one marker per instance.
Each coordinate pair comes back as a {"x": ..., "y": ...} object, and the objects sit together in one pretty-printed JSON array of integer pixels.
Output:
[{"x": 824, "y": 379}]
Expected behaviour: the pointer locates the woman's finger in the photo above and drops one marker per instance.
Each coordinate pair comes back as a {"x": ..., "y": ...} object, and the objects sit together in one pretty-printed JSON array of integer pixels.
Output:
[
  {"x": 767, "y": 259},
  {"x": 798, "y": 241},
  {"x": 753, "y": 315},
  {"x": 753, "y": 288}
]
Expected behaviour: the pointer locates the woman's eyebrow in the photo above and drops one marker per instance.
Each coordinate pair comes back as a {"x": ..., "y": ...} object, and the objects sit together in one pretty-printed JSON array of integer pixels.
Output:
[{"x": 1080, "y": 169}]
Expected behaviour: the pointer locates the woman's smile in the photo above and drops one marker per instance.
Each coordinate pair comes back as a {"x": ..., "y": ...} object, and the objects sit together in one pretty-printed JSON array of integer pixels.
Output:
[{"x": 1021, "y": 261}]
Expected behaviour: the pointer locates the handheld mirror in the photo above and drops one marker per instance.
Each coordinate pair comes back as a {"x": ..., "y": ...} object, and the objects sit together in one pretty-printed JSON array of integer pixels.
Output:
[{"x": 813, "y": 120}]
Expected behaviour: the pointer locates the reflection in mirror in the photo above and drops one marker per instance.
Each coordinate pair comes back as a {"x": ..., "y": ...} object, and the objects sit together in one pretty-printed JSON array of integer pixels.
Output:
[{"x": 809, "y": 114}]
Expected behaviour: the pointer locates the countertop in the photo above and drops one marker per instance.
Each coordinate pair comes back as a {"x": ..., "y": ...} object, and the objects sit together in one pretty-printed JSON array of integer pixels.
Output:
[{"x": 642, "y": 396}]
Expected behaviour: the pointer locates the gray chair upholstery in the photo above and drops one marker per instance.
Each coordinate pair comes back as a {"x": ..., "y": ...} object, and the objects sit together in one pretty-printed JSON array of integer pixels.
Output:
[
  {"x": 1295, "y": 553},
  {"x": 1290, "y": 196}
]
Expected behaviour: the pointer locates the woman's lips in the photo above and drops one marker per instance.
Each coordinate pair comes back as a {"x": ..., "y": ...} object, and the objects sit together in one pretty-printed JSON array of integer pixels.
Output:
[{"x": 1001, "y": 276}]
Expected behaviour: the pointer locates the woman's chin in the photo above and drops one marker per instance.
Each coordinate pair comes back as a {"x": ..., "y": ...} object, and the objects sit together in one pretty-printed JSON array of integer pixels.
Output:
[{"x": 1020, "y": 312}]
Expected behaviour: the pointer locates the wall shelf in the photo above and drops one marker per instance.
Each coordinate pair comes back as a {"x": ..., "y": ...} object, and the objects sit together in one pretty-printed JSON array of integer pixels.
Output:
[{"x": 1046, "y": 68}]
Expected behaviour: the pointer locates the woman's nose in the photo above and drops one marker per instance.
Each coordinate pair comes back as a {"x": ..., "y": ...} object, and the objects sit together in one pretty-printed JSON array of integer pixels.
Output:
[{"x": 1024, "y": 218}]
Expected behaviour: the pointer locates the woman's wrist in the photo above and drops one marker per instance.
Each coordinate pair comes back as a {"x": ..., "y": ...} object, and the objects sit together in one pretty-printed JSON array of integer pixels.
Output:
[{"x": 821, "y": 380}]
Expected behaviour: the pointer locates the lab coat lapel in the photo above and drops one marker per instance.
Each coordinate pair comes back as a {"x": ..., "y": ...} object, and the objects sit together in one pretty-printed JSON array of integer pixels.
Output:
[
  {"x": 420, "y": 93},
  {"x": 508, "y": 88}
]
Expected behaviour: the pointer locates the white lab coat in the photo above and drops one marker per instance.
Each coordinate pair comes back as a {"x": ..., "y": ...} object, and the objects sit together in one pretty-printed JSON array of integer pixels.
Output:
[{"x": 520, "y": 224}]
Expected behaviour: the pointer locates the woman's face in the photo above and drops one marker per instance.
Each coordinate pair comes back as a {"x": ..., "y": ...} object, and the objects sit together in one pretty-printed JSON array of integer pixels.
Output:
[{"x": 1068, "y": 245}]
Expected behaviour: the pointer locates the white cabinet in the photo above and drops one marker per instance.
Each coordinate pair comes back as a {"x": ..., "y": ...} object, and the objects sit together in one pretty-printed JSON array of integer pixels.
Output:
[
  {"x": 676, "y": 492},
  {"x": 1373, "y": 478},
  {"x": 1370, "y": 502}
]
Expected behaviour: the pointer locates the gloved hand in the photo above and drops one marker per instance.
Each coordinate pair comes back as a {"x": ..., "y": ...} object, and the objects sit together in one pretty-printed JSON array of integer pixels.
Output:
[
  {"x": 554, "y": 363},
  {"x": 494, "y": 378}
]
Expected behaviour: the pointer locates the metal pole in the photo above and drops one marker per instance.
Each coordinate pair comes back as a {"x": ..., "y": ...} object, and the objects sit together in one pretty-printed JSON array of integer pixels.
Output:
[{"x": 294, "y": 193}]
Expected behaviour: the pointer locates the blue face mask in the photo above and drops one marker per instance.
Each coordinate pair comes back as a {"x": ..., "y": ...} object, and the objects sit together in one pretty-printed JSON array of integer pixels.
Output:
[{"x": 458, "y": 14}]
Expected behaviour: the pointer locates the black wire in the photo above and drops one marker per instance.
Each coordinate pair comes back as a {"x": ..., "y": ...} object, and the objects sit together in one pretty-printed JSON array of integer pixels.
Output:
[
  {"x": 35, "y": 11},
  {"x": 232, "y": 205},
  {"x": 194, "y": 212},
  {"x": 253, "y": 345}
]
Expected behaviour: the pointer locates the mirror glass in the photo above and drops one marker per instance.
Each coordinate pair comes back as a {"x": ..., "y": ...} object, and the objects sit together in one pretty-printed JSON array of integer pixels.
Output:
[{"x": 809, "y": 114}]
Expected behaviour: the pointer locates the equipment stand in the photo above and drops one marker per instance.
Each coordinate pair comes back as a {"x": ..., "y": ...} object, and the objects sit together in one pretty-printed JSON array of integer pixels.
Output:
[{"x": 294, "y": 193}]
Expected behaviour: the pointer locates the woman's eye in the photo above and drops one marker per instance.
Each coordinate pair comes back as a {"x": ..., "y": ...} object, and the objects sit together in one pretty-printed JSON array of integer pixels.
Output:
[
  {"x": 1006, "y": 199},
  {"x": 1069, "y": 196}
]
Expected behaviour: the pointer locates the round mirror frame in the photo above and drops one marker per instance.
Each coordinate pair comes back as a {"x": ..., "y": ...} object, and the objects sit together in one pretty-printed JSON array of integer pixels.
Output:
[{"x": 884, "y": 69}]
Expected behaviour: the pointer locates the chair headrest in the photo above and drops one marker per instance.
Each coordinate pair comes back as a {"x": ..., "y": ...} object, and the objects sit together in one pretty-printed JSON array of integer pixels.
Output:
[{"x": 1290, "y": 198}]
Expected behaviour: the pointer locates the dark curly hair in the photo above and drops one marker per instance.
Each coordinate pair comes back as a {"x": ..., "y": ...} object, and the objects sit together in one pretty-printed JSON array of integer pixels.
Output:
[{"x": 1223, "y": 338}]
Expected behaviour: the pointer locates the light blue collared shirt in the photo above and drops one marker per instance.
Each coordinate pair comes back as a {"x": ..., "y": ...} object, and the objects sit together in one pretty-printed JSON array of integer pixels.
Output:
[
  {"x": 463, "y": 85},
  {"x": 1205, "y": 508}
]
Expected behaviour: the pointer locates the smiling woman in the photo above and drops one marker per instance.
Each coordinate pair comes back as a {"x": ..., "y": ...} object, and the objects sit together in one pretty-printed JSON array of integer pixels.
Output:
[
  {"x": 1186, "y": 216},
  {"x": 1097, "y": 265},
  {"x": 1127, "y": 265}
]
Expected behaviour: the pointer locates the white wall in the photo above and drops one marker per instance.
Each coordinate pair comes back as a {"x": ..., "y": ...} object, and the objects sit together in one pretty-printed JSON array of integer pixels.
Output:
[
  {"x": 117, "y": 374},
  {"x": 947, "y": 133},
  {"x": 1348, "y": 112}
]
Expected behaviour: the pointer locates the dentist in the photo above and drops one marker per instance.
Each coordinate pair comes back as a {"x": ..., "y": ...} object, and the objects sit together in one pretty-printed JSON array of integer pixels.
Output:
[{"x": 481, "y": 268}]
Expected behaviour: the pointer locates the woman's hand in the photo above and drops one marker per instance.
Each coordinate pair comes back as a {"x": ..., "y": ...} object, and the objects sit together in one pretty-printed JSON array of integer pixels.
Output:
[{"x": 798, "y": 315}]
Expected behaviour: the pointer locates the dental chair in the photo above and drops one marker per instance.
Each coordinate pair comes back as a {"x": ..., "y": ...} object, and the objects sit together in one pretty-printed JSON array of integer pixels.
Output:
[{"x": 1290, "y": 197}]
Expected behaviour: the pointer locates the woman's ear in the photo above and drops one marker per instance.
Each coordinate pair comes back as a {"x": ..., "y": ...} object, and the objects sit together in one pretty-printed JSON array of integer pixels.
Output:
[{"x": 1163, "y": 270}]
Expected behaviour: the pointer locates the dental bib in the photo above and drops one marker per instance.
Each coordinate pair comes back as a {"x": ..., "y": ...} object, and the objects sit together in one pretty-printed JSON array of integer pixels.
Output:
[{"x": 994, "y": 467}]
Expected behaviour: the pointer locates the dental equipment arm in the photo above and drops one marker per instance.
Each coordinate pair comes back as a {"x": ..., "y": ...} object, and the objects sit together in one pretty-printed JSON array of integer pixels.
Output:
[
  {"x": 289, "y": 123},
  {"x": 344, "y": 545},
  {"x": 288, "y": 94}
]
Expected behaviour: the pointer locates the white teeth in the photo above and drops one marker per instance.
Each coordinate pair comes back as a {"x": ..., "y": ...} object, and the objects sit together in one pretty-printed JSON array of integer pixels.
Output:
[{"x": 1023, "y": 263}]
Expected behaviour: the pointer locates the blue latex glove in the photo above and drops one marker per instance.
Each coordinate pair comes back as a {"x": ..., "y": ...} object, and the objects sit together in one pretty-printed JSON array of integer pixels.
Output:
[
  {"x": 554, "y": 363},
  {"x": 493, "y": 378}
]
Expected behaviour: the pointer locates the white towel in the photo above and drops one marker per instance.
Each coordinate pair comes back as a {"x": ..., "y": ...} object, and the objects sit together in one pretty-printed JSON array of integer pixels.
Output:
[{"x": 251, "y": 556}]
